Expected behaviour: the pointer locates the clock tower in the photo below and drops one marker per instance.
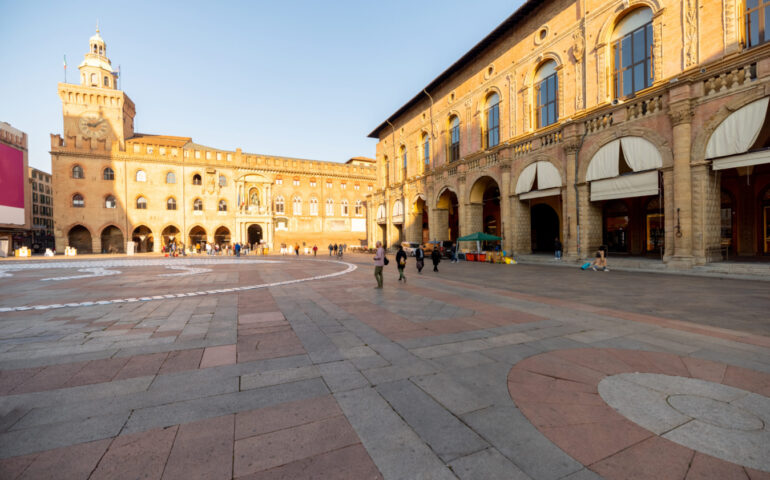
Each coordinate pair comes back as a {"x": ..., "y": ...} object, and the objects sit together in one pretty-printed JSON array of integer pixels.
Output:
[{"x": 96, "y": 114}]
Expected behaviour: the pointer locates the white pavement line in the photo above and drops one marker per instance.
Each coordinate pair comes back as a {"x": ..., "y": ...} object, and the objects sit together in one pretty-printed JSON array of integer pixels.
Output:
[{"x": 350, "y": 268}]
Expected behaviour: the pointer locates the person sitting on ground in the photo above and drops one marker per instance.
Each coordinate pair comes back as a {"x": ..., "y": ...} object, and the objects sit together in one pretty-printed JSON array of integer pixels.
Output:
[{"x": 601, "y": 259}]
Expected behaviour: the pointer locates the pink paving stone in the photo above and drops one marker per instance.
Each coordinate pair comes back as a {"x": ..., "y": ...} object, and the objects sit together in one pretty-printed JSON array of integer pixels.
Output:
[
  {"x": 638, "y": 360},
  {"x": 142, "y": 365},
  {"x": 705, "y": 369},
  {"x": 139, "y": 455},
  {"x": 10, "y": 379},
  {"x": 263, "y": 330},
  {"x": 519, "y": 374},
  {"x": 97, "y": 371},
  {"x": 261, "y": 317},
  {"x": 271, "y": 450},
  {"x": 285, "y": 415},
  {"x": 121, "y": 326},
  {"x": 270, "y": 352},
  {"x": 756, "y": 474},
  {"x": 12, "y": 468},
  {"x": 589, "y": 443},
  {"x": 668, "y": 363},
  {"x": 74, "y": 462},
  {"x": 218, "y": 356},
  {"x": 50, "y": 378},
  {"x": 351, "y": 462},
  {"x": 655, "y": 458},
  {"x": 555, "y": 367},
  {"x": 747, "y": 379},
  {"x": 599, "y": 360},
  {"x": 167, "y": 333},
  {"x": 202, "y": 450},
  {"x": 706, "y": 467},
  {"x": 553, "y": 394},
  {"x": 182, "y": 360}
]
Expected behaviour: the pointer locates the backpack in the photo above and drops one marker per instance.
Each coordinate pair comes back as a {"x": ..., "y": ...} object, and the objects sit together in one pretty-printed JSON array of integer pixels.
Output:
[{"x": 385, "y": 260}]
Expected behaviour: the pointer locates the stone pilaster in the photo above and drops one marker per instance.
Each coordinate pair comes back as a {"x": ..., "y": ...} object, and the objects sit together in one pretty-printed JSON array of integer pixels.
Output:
[
  {"x": 522, "y": 236},
  {"x": 569, "y": 203},
  {"x": 681, "y": 117},
  {"x": 505, "y": 207}
]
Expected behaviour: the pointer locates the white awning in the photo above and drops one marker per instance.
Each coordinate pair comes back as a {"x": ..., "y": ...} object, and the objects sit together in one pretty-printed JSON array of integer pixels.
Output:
[
  {"x": 547, "y": 174},
  {"x": 640, "y": 154},
  {"x": 540, "y": 193},
  {"x": 738, "y": 132},
  {"x": 743, "y": 160},
  {"x": 625, "y": 186}
]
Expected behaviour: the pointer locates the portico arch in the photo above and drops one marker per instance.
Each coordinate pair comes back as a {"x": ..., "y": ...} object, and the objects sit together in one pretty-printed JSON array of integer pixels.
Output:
[
  {"x": 538, "y": 210},
  {"x": 446, "y": 216},
  {"x": 421, "y": 230},
  {"x": 484, "y": 206},
  {"x": 143, "y": 239},
  {"x": 79, "y": 237},
  {"x": 112, "y": 240},
  {"x": 197, "y": 238}
]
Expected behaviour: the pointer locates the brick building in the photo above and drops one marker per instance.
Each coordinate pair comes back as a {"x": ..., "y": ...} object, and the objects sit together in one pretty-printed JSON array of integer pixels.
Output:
[
  {"x": 638, "y": 124},
  {"x": 113, "y": 186},
  {"x": 42, "y": 210}
]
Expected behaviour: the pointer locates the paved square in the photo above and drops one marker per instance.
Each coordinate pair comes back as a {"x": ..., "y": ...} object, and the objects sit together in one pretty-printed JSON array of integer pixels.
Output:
[{"x": 285, "y": 367}]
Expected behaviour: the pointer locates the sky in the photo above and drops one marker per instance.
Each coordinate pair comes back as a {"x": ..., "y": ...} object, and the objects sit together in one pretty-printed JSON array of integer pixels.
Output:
[{"x": 306, "y": 79}]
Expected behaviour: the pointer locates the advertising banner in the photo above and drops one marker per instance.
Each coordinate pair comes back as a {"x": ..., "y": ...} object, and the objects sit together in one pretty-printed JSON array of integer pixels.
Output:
[{"x": 12, "y": 179}]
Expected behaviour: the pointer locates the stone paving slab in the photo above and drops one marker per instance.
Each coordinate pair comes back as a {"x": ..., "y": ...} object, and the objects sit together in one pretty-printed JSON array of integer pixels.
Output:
[{"x": 300, "y": 369}]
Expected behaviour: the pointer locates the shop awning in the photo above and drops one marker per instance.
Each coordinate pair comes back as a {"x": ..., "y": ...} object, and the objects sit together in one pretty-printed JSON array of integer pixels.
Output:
[
  {"x": 625, "y": 186},
  {"x": 540, "y": 193},
  {"x": 638, "y": 153},
  {"x": 742, "y": 160},
  {"x": 548, "y": 178},
  {"x": 738, "y": 132}
]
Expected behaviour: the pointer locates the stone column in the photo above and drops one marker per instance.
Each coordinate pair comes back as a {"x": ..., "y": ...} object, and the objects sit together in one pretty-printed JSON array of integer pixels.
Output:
[
  {"x": 572, "y": 249},
  {"x": 590, "y": 223},
  {"x": 505, "y": 208},
  {"x": 681, "y": 117},
  {"x": 439, "y": 229}
]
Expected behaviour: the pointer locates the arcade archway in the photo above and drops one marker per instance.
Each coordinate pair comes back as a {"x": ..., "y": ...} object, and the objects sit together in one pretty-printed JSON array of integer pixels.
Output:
[
  {"x": 544, "y": 227},
  {"x": 222, "y": 236},
  {"x": 80, "y": 238},
  {"x": 143, "y": 239},
  {"x": 447, "y": 217},
  {"x": 112, "y": 240},
  {"x": 423, "y": 225},
  {"x": 197, "y": 239},
  {"x": 255, "y": 234},
  {"x": 170, "y": 235}
]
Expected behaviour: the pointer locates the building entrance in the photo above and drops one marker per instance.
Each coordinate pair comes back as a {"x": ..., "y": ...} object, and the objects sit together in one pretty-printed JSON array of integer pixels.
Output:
[
  {"x": 544, "y": 227},
  {"x": 112, "y": 240},
  {"x": 80, "y": 238},
  {"x": 255, "y": 234},
  {"x": 142, "y": 238}
]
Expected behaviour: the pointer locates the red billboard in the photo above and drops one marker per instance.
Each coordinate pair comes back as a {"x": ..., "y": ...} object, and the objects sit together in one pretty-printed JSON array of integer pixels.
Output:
[{"x": 12, "y": 180}]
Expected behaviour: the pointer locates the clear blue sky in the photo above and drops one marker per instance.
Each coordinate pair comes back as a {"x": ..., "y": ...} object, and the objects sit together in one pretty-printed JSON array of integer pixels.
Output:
[{"x": 307, "y": 79}]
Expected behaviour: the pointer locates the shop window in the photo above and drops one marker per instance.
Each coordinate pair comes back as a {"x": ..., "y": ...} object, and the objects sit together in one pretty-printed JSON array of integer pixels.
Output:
[
  {"x": 77, "y": 172},
  {"x": 726, "y": 215},
  {"x": 656, "y": 228},
  {"x": 78, "y": 201},
  {"x": 454, "y": 139},
  {"x": 492, "y": 119},
  {"x": 632, "y": 53},
  {"x": 757, "y": 22},
  {"x": 546, "y": 94},
  {"x": 108, "y": 174},
  {"x": 616, "y": 222},
  {"x": 171, "y": 204},
  {"x": 766, "y": 221}
]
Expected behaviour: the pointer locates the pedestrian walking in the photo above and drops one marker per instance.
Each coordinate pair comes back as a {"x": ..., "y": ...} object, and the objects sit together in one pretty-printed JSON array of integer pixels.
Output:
[
  {"x": 315, "y": 250},
  {"x": 419, "y": 258},
  {"x": 401, "y": 263},
  {"x": 601, "y": 259},
  {"x": 557, "y": 249},
  {"x": 296, "y": 249},
  {"x": 379, "y": 263},
  {"x": 435, "y": 255},
  {"x": 330, "y": 249},
  {"x": 238, "y": 249},
  {"x": 453, "y": 253},
  {"x": 335, "y": 248}
]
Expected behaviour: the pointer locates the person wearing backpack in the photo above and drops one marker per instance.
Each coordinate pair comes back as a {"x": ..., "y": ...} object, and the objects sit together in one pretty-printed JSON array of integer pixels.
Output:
[
  {"x": 419, "y": 255},
  {"x": 379, "y": 263},
  {"x": 401, "y": 262}
]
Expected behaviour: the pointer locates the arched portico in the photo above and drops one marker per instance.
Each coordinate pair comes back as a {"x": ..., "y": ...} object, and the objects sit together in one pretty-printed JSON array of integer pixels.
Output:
[
  {"x": 79, "y": 237},
  {"x": 143, "y": 239},
  {"x": 112, "y": 240},
  {"x": 538, "y": 207},
  {"x": 446, "y": 216},
  {"x": 484, "y": 207}
]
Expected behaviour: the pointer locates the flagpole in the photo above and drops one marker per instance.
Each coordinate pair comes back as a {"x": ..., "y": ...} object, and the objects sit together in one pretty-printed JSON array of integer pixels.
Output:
[{"x": 65, "y": 68}]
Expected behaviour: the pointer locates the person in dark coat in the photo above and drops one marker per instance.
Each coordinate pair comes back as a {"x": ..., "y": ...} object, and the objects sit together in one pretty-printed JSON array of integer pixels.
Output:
[
  {"x": 401, "y": 263},
  {"x": 420, "y": 258},
  {"x": 436, "y": 257}
]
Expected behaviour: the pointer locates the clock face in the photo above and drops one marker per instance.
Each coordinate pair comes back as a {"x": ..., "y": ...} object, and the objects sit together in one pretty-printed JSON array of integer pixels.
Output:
[{"x": 93, "y": 125}]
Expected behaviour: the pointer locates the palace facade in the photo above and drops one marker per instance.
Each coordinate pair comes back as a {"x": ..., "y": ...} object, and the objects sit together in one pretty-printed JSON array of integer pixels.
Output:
[
  {"x": 639, "y": 124},
  {"x": 113, "y": 186}
]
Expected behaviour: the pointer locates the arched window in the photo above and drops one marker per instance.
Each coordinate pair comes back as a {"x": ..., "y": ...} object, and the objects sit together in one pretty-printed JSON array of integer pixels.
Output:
[
  {"x": 170, "y": 177},
  {"x": 632, "y": 52},
  {"x": 546, "y": 93},
  {"x": 222, "y": 206},
  {"x": 454, "y": 138},
  {"x": 171, "y": 203},
  {"x": 108, "y": 174},
  {"x": 77, "y": 172},
  {"x": 344, "y": 208},
  {"x": 106, "y": 79},
  {"x": 198, "y": 205},
  {"x": 77, "y": 201},
  {"x": 109, "y": 202},
  {"x": 141, "y": 176},
  {"x": 314, "y": 206},
  {"x": 492, "y": 119},
  {"x": 359, "y": 208},
  {"x": 297, "y": 206},
  {"x": 197, "y": 179},
  {"x": 279, "y": 207},
  {"x": 222, "y": 181},
  {"x": 141, "y": 203},
  {"x": 426, "y": 150},
  {"x": 757, "y": 16},
  {"x": 329, "y": 207},
  {"x": 94, "y": 78}
]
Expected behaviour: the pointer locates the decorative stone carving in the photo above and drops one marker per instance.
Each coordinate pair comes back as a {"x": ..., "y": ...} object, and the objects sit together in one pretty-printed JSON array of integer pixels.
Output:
[
  {"x": 680, "y": 113},
  {"x": 730, "y": 20},
  {"x": 578, "y": 50},
  {"x": 690, "y": 13}
]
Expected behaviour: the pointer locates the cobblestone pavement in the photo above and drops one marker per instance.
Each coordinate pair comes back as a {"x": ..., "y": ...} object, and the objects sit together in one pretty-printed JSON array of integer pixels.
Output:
[{"x": 293, "y": 368}]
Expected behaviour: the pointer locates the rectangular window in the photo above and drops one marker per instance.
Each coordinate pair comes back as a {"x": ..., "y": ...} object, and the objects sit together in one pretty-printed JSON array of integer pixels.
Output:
[
  {"x": 757, "y": 22},
  {"x": 426, "y": 151},
  {"x": 632, "y": 54},
  {"x": 454, "y": 147},
  {"x": 312, "y": 183},
  {"x": 546, "y": 93},
  {"x": 296, "y": 182},
  {"x": 279, "y": 181},
  {"x": 343, "y": 186},
  {"x": 356, "y": 187},
  {"x": 328, "y": 184},
  {"x": 493, "y": 126}
]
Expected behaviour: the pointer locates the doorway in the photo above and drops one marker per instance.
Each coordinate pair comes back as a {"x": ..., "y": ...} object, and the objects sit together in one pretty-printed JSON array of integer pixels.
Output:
[
  {"x": 255, "y": 234},
  {"x": 544, "y": 227}
]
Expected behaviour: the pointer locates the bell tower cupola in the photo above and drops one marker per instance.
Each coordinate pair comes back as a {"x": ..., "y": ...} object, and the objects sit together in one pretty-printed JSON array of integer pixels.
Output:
[{"x": 96, "y": 69}]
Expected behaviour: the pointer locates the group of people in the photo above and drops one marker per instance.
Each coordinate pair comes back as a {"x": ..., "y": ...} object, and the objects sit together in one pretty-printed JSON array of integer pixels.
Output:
[
  {"x": 380, "y": 260},
  {"x": 338, "y": 250}
]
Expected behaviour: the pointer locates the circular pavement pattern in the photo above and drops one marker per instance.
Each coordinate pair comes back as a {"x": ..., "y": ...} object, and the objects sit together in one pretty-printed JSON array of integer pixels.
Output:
[
  {"x": 646, "y": 414},
  {"x": 100, "y": 268}
]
